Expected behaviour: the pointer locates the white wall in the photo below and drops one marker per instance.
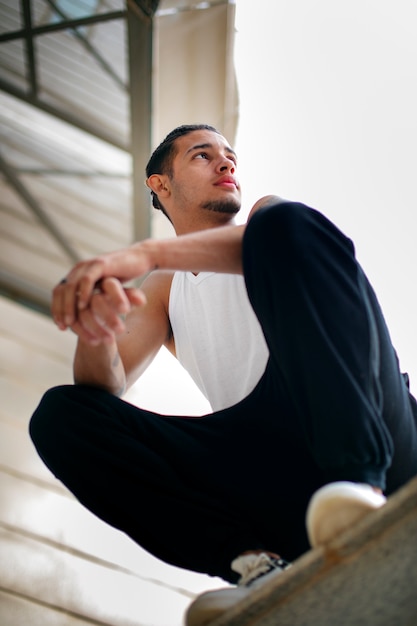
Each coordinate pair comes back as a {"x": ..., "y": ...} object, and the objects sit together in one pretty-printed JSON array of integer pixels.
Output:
[{"x": 328, "y": 116}]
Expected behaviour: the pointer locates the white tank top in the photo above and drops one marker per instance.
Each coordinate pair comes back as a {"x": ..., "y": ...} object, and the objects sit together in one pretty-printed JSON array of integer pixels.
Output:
[{"x": 218, "y": 338}]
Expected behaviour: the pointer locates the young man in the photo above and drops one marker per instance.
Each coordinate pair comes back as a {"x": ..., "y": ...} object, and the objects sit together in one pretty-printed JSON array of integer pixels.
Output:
[{"x": 278, "y": 325}]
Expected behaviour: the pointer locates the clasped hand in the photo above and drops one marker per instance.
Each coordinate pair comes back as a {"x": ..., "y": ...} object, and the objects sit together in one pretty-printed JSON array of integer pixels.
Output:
[{"x": 92, "y": 299}]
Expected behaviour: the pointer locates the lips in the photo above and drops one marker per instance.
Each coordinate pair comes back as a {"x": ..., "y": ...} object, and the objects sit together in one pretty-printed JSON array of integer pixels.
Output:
[{"x": 227, "y": 181}]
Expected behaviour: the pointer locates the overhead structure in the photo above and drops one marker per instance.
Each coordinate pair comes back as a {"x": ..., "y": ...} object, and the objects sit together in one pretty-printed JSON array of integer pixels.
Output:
[{"x": 87, "y": 89}]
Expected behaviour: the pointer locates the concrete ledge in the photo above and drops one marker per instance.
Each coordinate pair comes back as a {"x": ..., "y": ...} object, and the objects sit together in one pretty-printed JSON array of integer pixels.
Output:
[{"x": 367, "y": 577}]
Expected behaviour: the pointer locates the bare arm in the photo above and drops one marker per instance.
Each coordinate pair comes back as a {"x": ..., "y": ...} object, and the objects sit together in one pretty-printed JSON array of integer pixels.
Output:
[
  {"x": 213, "y": 250},
  {"x": 113, "y": 360},
  {"x": 216, "y": 249},
  {"x": 99, "y": 366}
]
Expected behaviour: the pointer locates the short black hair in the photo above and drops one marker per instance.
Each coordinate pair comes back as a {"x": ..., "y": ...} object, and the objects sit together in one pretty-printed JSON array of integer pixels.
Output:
[{"x": 162, "y": 157}]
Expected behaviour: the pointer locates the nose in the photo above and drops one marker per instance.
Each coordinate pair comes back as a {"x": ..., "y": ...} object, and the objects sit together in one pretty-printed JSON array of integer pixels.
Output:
[{"x": 227, "y": 165}]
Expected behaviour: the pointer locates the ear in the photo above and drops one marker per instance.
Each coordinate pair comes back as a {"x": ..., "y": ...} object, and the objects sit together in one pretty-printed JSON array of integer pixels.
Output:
[{"x": 159, "y": 183}]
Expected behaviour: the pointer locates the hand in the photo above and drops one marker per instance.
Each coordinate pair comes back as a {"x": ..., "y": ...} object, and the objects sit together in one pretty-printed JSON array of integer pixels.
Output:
[
  {"x": 101, "y": 321},
  {"x": 76, "y": 293}
]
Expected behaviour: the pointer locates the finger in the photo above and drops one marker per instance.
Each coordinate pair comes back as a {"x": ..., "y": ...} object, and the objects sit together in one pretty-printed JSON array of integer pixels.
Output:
[
  {"x": 92, "y": 272},
  {"x": 135, "y": 296},
  {"x": 57, "y": 304},
  {"x": 104, "y": 314},
  {"x": 79, "y": 288},
  {"x": 115, "y": 295},
  {"x": 85, "y": 336},
  {"x": 69, "y": 303},
  {"x": 56, "y": 307},
  {"x": 120, "y": 297},
  {"x": 92, "y": 328},
  {"x": 64, "y": 301}
]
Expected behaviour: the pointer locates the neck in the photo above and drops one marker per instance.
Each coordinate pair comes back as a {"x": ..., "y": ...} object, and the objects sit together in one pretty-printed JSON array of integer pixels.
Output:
[{"x": 186, "y": 226}]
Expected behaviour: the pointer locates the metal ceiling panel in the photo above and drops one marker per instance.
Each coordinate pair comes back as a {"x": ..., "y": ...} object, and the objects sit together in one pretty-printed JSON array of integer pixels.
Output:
[
  {"x": 65, "y": 193},
  {"x": 70, "y": 58}
]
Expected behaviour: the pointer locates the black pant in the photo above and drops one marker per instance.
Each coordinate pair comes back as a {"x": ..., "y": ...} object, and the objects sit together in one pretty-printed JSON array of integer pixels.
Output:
[{"x": 332, "y": 405}]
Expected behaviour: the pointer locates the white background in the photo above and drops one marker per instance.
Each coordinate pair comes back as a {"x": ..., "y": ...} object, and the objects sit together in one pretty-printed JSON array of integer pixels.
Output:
[{"x": 328, "y": 116}]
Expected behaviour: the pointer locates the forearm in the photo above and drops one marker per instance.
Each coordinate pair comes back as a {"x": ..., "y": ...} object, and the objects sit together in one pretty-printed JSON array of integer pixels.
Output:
[
  {"x": 213, "y": 250},
  {"x": 99, "y": 366}
]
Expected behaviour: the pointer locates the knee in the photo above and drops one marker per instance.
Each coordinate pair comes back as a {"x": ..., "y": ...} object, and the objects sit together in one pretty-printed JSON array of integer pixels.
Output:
[
  {"x": 284, "y": 228},
  {"x": 293, "y": 232},
  {"x": 47, "y": 420}
]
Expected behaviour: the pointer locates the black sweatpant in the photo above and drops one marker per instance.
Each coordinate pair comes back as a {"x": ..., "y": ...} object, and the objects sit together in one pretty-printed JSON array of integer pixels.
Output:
[{"x": 331, "y": 405}]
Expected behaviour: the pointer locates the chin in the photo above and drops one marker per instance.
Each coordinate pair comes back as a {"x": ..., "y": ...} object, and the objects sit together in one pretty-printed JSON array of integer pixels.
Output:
[{"x": 229, "y": 207}]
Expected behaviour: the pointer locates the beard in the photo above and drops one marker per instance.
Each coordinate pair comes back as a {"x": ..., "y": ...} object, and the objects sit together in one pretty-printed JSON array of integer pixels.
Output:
[{"x": 229, "y": 207}]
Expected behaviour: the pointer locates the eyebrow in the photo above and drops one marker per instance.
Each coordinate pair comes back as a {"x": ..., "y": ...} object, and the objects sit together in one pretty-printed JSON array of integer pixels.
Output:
[{"x": 203, "y": 146}]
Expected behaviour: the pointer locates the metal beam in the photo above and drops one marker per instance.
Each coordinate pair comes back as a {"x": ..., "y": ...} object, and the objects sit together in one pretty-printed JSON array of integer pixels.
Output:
[
  {"x": 146, "y": 8},
  {"x": 30, "y": 51},
  {"x": 90, "y": 49},
  {"x": 14, "y": 181},
  {"x": 51, "y": 28},
  {"x": 43, "y": 171},
  {"x": 78, "y": 122},
  {"x": 140, "y": 38}
]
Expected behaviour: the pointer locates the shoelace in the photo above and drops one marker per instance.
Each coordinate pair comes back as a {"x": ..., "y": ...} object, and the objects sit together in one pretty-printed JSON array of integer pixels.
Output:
[{"x": 254, "y": 566}]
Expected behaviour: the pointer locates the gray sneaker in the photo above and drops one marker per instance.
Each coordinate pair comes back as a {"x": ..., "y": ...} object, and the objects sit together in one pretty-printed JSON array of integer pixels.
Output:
[{"x": 254, "y": 570}]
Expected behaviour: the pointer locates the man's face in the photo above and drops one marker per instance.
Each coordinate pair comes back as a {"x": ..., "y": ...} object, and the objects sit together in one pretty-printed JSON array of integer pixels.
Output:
[{"x": 204, "y": 175}]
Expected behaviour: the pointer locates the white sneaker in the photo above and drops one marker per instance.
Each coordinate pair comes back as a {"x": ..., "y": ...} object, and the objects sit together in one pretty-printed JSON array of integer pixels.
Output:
[
  {"x": 254, "y": 569},
  {"x": 336, "y": 507}
]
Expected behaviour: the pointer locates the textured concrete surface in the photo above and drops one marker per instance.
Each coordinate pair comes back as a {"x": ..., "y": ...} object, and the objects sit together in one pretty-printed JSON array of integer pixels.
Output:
[{"x": 367, "y": 577}]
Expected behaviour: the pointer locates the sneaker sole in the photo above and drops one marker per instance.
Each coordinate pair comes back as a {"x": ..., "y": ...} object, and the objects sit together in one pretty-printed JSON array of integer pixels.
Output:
[{"x": 336, "y": 507}]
